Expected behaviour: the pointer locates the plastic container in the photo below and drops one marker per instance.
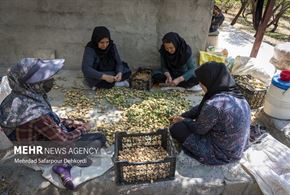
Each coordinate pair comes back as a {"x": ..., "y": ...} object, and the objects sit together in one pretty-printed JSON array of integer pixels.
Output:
[
  {"x": 285, "y": 75},
  {"x": 137, "y": 172},
  {"x": 277, "y": 101}
]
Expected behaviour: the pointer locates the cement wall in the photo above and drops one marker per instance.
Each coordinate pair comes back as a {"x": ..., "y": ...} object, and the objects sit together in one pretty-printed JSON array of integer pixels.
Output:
[{"x": 61, "y": 28}]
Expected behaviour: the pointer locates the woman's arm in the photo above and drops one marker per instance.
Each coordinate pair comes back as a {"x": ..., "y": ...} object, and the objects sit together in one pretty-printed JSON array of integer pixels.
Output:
[
  {"x": 119, "y": 64},
  {"x": 45, "y": 126},
  {"x": 191, "y": 113},
  {"x": 191, "y": 65},
  {"x": 162, "y": 65},
  {"x": 207, "y": 118},
  {"x": 87, "y": 64},
  {"x": 165, "y": 71}
]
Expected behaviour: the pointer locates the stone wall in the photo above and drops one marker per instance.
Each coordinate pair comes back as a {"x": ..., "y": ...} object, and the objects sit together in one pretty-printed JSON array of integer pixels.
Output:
[{"x": 61, "y": 28}]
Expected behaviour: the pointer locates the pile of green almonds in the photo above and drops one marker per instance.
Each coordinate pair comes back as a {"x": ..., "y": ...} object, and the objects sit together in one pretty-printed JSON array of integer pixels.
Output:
[
  {"x": 143, "y": 111},
  {"x": 146, "y": 116},
  {"x": 79, "y": 104}
]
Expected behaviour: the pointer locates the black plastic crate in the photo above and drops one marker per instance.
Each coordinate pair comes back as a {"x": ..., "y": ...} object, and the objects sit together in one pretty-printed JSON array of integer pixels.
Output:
[
  {"x": 141, "y": 79},
  {"x": 255, "y": 96},
  {"x": 149, "y": 171}
]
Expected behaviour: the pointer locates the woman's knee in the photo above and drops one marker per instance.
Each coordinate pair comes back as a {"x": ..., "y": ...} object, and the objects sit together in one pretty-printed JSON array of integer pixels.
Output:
[
  {"x": 179, "y": 131},
  {"x": 126, "y": 75},
  {"x": 158, "y": 77},
  {"x": 173, "y": 130},
  {"x": 105, "y": 85},
  {"x": 189, "y": 83},
  {"x": 97, "y": 139}
]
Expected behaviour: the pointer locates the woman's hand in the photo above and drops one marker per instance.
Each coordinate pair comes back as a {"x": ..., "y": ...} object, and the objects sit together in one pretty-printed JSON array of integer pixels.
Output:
[
  {"x": 69, "y": 123},
  {"x": 178, "y": 80},
  {"x": 87, "y": 126},
  {"x": 175, "y": 119},
  {"x": 79, "y": 122},
  {"x": 168, "y": 78},
  {"x": 108, "y": 78},
  {"x": 84, "y": 128},
  {"x": 118, "y": 77}
]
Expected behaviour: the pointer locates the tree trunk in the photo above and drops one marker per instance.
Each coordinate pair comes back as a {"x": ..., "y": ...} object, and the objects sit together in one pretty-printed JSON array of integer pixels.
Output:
[
  {"x": 243, "y": 7},
  {"x": 276, "y": 22},
  {"x": 279, "y": 15},
  {"x": 243, "y": 13},
  {"x": 275, "y": 27},
  {"x": 262, "y": 27}
]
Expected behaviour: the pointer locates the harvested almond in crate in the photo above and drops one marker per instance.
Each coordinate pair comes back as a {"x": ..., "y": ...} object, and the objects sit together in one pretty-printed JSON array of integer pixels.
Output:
[
  {"x": 253, "y": 90},
  {"x": 142, "y": 79},
  {"x": 144, "y": 157}
]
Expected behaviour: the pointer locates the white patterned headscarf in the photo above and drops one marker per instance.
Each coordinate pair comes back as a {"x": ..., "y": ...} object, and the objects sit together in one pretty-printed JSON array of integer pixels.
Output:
[{"x": 28, "y": 99}]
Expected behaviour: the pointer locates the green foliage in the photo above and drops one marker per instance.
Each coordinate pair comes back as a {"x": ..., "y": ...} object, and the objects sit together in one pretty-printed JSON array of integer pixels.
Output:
[
  {"x": 226, "y": 5},
  {"x": 278, "y": 36}
]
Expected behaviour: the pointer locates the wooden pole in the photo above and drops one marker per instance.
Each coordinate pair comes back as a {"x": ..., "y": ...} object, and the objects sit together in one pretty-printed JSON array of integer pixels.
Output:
[{"x": 262, "y": 28}]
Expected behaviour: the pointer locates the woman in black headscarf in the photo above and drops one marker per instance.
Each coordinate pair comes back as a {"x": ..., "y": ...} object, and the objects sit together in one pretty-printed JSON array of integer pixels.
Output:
[
  {"x": 177, "y": 63},
  {"x": 217, "y": 130},
  {"x": 102, "y": 66},
  {"x": 216, "y": 20}
]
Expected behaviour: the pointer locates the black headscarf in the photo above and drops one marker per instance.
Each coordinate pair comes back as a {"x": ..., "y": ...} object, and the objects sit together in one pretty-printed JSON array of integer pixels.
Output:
[
  {"x": 107, "y": 56},
  {"x": 99, "y": 33},
  {"x": 217, "y": 79},
  {"x": 182, "y": 50}
]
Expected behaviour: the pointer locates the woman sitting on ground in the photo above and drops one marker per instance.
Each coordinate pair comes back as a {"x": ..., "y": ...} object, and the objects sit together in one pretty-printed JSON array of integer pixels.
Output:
[
  {"x": 217, "y": 130},
  {"x": 216, "y": 20},
  {"x": 177, "y": 63},
  {"x": 26, "y": 114},
  {"x": 102, "y": 66}
]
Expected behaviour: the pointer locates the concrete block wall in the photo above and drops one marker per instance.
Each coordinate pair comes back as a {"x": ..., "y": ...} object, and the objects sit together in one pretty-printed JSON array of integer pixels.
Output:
[{"x": 61, "y": 28}]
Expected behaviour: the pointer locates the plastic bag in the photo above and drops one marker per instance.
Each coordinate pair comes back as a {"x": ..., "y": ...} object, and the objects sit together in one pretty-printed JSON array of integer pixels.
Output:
[
  {"x": 4, "y": 88},
  {"x": 207, "y": 57},
  {"x": 246, "y": 65},
  {"x": 269, "y": 165},
  {"x": 281, "y": 58}
]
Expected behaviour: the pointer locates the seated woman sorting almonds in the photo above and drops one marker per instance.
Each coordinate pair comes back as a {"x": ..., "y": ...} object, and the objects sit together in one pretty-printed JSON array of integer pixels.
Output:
[{"x": 216, "y": 131}]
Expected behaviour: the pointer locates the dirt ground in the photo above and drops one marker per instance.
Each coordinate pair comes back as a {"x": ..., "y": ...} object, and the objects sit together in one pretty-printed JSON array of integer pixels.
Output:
[{"x": 281, "y": 35}]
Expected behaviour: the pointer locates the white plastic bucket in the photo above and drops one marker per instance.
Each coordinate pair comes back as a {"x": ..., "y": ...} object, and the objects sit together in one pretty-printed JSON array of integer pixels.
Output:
[
  {"x": 277, "y": 103},
  {"x": 212, "y": 41}
]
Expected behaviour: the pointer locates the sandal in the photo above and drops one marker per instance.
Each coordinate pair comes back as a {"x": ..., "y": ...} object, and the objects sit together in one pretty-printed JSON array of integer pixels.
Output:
[{"x": 64, "y": 172}]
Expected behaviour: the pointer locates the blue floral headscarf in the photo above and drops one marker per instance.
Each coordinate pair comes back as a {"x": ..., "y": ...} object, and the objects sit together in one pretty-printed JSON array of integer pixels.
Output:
[{"x": 27, "y": 101}]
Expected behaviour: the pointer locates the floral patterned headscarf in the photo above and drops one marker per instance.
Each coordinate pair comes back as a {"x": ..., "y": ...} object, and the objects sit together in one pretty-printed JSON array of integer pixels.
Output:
[{"x": 27, "y": 101}]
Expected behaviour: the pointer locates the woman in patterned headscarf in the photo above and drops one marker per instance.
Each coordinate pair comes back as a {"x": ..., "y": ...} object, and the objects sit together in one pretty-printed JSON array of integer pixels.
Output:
[
  {"x": 26, "y": 114},
  {"x": 102, "y": 66},
  {"x": 177, "y": 63},
  {"x": 217, "y": 130},
  {"x": 30, "y": 80}
]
